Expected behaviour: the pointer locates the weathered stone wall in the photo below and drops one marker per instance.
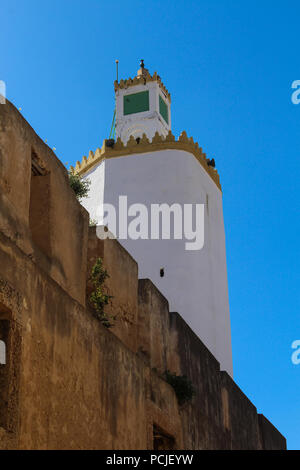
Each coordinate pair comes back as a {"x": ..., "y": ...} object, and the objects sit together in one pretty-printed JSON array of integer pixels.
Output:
[
  {"x": 202, "y": 419},
  {"x": 79, "y": 385},
  {"x": 23, "y": 218},
  {"x": 270, "y": 437},
  {"x": 240, "y": 416},
  {"x": 122, "y": 284},
  {"x": 69, "y": 382}
]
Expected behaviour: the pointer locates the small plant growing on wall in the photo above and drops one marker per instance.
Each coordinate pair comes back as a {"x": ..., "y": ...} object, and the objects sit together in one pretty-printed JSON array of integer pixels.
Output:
[
  {"x": 182, "y": 386},
  {"x": 80, "y": 187},
  {"x": 98, "y": 298},
  {"x": 93, "y": 223}
]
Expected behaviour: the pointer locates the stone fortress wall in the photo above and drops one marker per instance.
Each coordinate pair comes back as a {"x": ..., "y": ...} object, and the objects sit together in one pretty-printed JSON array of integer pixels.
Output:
[{"x": 69, "y": 382}]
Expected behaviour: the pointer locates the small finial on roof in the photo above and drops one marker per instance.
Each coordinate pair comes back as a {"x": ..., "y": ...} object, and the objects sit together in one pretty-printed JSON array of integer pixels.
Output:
[{"x": 142, "y": 72}]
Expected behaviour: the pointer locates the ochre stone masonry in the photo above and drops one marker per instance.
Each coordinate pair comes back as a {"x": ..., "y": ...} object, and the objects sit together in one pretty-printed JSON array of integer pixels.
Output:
[{"x": 69, "y": 382}]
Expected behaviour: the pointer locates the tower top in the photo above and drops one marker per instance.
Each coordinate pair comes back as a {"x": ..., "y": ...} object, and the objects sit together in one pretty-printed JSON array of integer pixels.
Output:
[
  {"x": 143, "y": 76},
  {"x": 143, "y": 106}
]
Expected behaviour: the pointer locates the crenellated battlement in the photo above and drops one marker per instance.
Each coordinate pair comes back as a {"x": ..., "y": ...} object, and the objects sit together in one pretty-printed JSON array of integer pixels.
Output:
[
  {"x": 136, "y": 146},
  {"x": 142, "y": 80}
]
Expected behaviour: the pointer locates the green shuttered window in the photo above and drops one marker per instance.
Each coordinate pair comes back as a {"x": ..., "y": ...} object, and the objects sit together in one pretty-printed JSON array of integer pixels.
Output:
[
  {"x": 163, "y": 109},
  {"x": 136, "y": 103}
]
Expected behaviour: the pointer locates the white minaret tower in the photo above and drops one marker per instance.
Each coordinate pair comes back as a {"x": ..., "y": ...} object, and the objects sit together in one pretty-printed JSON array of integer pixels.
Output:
[{"x": 150, "y": 167}]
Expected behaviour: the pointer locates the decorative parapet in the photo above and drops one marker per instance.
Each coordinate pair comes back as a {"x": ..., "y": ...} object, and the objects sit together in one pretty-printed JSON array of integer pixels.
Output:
[
  {"x": 142, "y": 80},
  {"x": 135, "y": 146}
]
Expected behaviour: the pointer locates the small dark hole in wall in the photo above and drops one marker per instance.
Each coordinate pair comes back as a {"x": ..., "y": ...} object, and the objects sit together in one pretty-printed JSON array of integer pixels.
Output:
[
  {"x": 162, "y": 272},
  {"x": 138, "y": 139}
]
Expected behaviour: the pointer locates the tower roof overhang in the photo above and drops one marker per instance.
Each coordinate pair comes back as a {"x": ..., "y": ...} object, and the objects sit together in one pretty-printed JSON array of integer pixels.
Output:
[{"x": 145, "y": 146}]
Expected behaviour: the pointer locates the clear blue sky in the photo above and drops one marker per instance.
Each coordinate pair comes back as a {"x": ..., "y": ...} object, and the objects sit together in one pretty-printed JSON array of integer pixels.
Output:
[{"x": 229, "y": 66}]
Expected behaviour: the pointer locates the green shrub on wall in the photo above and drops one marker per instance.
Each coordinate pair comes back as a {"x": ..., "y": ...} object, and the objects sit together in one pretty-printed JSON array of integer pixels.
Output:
[
  {"x": 182, "y": 386},
  {"x": 80, "y": 187},
  {"x": 98, "y": 298},
  {"x": 93, "y": 223}
]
